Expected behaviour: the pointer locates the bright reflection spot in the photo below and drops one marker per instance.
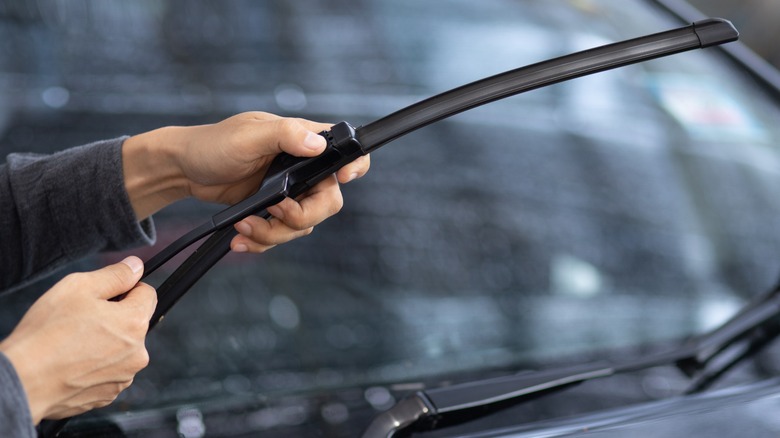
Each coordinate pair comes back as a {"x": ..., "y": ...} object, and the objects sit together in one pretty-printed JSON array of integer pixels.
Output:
[
  {"x": 716, "y": 310},
  {"x": 190, "y": 423},
  {"x": 379, "y": 398},
  {"x": 284, "y": 312},
  {"x": 573, "y": 276},
  {"x": 290, "y": 97},
  {"x": 55, "y": 97}
]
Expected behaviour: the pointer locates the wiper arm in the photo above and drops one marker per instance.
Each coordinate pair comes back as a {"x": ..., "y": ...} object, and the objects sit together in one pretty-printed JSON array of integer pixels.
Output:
[
  {"x": 744, "y": 335},
  {"x": 705, "y": 359},
  {"x": 429, "y": 409}
]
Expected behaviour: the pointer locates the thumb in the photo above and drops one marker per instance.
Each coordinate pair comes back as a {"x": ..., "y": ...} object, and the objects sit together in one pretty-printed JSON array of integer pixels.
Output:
[
  {"x": 143, "y": 298},
  {"x": 116, "y": 279},
  {"x": 296, "y": 137}
]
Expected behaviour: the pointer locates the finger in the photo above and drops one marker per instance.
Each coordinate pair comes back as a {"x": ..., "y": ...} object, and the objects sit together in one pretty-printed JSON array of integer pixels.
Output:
[
  {"x": 258, "y": 235},
  {"x": 143, "y": 298},
  {"x": 354, "y": 170},
  {"x": 319, "y": 203},
  {"x": 116, "y": 279},
  {"x": 242, "y": 244},
  {"x": 297, "y": 137}
]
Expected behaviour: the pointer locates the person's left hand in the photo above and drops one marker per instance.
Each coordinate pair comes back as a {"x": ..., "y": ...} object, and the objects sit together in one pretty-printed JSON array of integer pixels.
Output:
[
  {"x": 77, "y": 347},
  {"x": 225, "y": 163}
]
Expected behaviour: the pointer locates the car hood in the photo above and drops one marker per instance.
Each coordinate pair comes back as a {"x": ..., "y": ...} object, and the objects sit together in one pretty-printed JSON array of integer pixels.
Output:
[{"x": 746, "y": 410}]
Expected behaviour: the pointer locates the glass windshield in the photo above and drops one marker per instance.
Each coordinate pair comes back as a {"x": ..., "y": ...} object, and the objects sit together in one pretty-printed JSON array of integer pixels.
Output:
[{"x": 631, "y": 207}]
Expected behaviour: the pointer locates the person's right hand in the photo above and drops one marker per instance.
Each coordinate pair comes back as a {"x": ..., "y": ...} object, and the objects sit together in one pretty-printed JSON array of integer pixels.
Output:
[
  {"x": 75, "y": 350},
  {"x": 225, "y": 162}
]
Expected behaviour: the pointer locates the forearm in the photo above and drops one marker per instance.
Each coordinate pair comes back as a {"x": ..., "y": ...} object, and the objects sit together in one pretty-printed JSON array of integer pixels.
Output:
[
  {"x": 151, "y": 170},
  {"x": 61, "y": 207}
]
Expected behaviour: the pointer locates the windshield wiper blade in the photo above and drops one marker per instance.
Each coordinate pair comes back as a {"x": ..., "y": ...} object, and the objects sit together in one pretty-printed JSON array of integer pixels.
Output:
[
  {"x": 428, "y": 409},
  {"x": 744, "y": 335},
  {"x": 704, "y": 358},
  {"x": 701, "y": 34},
  {"x": 290, "y": 176}
]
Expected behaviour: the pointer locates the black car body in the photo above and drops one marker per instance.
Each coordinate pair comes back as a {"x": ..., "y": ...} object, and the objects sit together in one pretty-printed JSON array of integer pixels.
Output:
[{"x": 607, "y": 217}]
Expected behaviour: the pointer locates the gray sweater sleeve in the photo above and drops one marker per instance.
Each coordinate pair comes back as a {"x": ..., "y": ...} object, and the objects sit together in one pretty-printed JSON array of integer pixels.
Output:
[
  {"x": 55, "y": 209},
  {"x": 15, "y": 418},
  {"x": 58, "y": 208}
]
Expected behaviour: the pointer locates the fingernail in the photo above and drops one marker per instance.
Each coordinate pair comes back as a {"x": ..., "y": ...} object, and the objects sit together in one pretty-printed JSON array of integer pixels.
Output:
[
  {"x": 276, "y": 212},
  {"x": 244, "y": 228},
  {"x": 135, "y": 264},
  {"x": 314, "y": 141},
  {"x": 352, "y": 177},
  {"x": 240, "y": 248}
]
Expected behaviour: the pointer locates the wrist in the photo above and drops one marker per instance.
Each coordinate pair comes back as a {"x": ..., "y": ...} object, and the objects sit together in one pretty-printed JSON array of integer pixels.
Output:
[
  {"x": 153, "y": 178},
  {"x": 32, "y": 379}
]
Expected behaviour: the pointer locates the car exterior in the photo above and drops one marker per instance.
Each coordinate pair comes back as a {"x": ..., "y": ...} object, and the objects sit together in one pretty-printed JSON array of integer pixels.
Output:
[{"x": 604, "y": 217}]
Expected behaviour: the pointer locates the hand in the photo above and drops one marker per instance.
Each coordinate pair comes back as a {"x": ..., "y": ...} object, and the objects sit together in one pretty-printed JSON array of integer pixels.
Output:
[
  {"x": 225, "y": 163},
  {"x": 75, "y": 350}
]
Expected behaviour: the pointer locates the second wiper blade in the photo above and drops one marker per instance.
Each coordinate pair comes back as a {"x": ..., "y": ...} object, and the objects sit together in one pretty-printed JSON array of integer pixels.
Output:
[{"x": 742, "y": 336}]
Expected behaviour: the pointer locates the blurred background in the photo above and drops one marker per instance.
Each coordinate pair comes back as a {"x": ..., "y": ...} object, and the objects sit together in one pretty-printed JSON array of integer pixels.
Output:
[{"x": 631, "y": 207}]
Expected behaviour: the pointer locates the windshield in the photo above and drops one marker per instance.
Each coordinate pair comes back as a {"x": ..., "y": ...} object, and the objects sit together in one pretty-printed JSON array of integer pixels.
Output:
[{"x": 628, "y": 208}]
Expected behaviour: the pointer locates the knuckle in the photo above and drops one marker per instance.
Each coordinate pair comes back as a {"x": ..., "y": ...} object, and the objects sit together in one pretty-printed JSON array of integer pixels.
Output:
[
  {"x": 253, "y": 115},
  {"x": 144, "y": 359},
  {"x": 74, "y": 278},
  {"x": 100, "y": 404},
  {"x": 137, "y": 327},
  {"x": 284, "y": 127},
  {"x": 338, "y": 203},
  {"x": 140, "y": 359},
  {"x": 286, "y": 124},
  {"x": 298, "y": 223},
  {"x": 109, "y": 278},
  {"x": 150, "y": 291},
  {"x": 116, "y": 278},
  {"x": 125, "y": 385}
]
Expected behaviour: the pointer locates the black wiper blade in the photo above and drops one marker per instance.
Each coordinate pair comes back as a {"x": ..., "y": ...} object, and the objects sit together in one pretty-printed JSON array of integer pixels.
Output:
[
  {"x": 704, "y": 358},
  {"x": 291, "y": 176},
  {"x": 744, "y": 335},
  {"x": 429, "y": 408},
  {"x": 701, "y": 34},
  {"x": 499, "y": 389}
]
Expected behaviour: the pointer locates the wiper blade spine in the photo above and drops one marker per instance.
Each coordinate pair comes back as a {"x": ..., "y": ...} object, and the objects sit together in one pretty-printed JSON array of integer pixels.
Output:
[{"x": 701, "y": 34}]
